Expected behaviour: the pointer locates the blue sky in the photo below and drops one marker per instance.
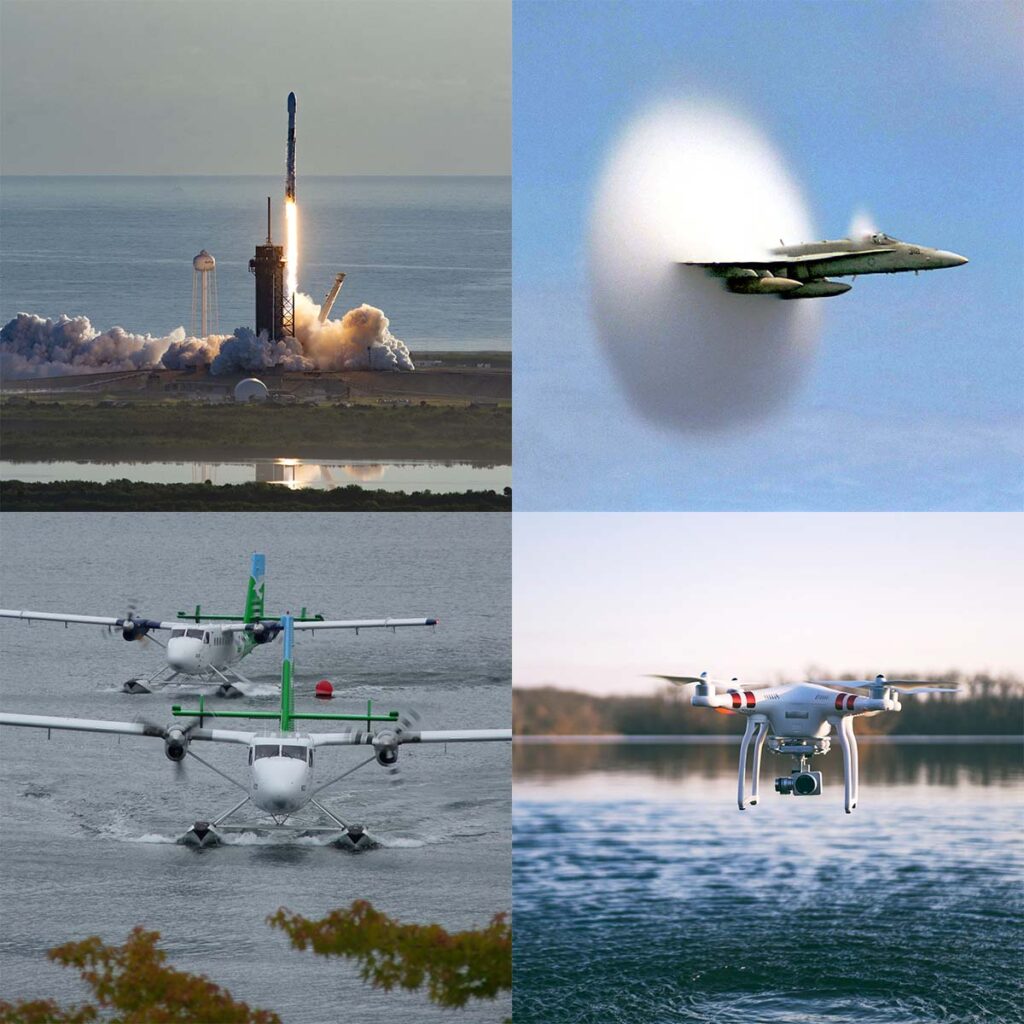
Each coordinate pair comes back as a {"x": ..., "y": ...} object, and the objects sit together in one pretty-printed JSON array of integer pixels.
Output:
[{"x": 912, "y": 111}]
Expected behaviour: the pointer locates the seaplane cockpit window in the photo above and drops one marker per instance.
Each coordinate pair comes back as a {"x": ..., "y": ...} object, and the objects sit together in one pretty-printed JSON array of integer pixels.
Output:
[
  {"x": 197, "y": 633},
  {"x": 267, "y": 750},
  {"x": 177, "y": 632},
  {"x": 293, "y": 750}
]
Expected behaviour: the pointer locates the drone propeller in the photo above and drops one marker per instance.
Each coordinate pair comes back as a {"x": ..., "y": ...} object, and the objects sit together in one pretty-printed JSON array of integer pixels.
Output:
[
  {"x": 880, "y": 683},
  {"x": 733, "y": 684}
]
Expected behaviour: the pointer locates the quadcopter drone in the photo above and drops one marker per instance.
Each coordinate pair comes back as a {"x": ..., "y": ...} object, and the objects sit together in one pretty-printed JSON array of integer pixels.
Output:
[{"x": 796, "y": 719}]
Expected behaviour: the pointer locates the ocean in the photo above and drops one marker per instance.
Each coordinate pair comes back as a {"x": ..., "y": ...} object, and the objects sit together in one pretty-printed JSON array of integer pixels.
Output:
[
  {"x": 89, "y": 821},
  {"x": 641, "y": 892},
  {"x": 433, "y": 253}
]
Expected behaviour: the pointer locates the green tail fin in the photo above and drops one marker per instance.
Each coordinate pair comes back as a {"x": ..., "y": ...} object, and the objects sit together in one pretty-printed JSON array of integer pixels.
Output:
[{"x": 257, "y": 588}]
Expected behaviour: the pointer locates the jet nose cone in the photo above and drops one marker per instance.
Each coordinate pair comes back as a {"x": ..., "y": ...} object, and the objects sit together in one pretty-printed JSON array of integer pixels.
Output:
[{"x": 951, "y": 259}]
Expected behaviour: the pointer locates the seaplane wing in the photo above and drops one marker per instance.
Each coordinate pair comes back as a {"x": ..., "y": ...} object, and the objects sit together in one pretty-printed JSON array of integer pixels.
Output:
[
  {"x": 88, "y": 620},
  {"x": 360, "y": 737},
  {"x": 313, "y": 624},
  {"x": 363, "y": 623},
  {"x": 782, "y": 260},
  {"x": 121, "y": 728}
]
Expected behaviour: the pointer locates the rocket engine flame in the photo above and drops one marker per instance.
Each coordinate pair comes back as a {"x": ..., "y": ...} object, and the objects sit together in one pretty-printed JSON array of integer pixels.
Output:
[{"x": 291, "y": 251}]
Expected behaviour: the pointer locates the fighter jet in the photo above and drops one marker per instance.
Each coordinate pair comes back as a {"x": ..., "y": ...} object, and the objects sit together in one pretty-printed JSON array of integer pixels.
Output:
[{"x": 802, "y": 271}]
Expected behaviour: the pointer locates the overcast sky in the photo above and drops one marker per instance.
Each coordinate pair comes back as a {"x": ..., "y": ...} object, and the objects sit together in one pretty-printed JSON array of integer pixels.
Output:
[
  {"x": 181, "y": 87},
  {"x": 601, "y": 599}
]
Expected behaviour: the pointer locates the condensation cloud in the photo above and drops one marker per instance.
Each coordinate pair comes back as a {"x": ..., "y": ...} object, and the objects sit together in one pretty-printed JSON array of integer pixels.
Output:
[
  {"x": 34, "y": 346},
  {"x": 694, "y": 182}
]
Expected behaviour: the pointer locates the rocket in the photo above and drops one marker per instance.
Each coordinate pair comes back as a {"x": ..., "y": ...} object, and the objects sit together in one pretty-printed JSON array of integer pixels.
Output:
[{"x": 289, "y": 185}]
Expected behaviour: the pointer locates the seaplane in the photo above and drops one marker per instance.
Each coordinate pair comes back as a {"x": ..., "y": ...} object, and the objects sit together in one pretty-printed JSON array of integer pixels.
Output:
[
  {"x": 281, "y": 785},
  {"x": 797, "y": 719},
  {"x": 207, "y": 646}
]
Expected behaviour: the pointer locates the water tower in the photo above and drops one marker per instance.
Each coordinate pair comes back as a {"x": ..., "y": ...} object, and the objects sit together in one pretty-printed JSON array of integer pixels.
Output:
[{"x": 204, "y": 295}]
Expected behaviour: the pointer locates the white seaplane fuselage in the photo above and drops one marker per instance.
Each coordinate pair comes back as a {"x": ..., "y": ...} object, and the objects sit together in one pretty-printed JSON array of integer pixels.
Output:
[
  {"x": 198, "y": 650},
  {"x": 280, "y": 773}
]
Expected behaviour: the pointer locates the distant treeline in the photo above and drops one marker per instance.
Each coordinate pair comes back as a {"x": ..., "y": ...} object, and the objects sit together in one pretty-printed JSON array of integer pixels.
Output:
[
  {"x": 132, "y": 496},
  {"x": 126, "y": 431},
  {"x": 986, "y": 705}
]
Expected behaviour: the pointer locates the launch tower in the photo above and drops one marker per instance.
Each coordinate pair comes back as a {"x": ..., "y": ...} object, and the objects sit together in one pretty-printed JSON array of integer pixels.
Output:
[{"x": 273, "y": 307}]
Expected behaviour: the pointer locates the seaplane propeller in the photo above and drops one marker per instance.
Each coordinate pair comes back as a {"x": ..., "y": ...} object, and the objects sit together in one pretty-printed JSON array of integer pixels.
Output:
[
  {"x": 387, "y": 743},
  {"x": 176, "y": 736}
]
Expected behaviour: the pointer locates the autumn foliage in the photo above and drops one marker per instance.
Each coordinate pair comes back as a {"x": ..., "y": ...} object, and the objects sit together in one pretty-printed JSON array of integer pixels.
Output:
[
  {"x": 135, "y": 981},
  {"x": 454, "y": 966}
]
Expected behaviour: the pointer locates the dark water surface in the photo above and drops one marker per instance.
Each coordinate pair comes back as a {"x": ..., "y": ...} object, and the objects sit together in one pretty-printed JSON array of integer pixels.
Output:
[
  {"x": 433, "y": 253},
  {"x": 88, "y": 822},
  {"x": 642, "y": 893}
]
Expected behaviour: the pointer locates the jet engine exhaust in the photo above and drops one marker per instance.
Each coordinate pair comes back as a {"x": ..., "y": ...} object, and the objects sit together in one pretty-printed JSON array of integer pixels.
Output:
[{"x": 690, "y": 181}]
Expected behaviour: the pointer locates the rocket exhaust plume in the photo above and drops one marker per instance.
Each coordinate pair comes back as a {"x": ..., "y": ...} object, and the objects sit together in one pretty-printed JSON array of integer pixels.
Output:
[
  {"x": 291, "y": 213},
  {"x": 689, "y": 181},
  {"x": 31, "y": 346}
]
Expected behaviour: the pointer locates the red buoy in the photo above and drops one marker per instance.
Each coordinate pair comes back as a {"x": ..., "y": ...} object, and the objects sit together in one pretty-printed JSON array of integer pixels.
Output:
[{"x": 324, "y": 690}]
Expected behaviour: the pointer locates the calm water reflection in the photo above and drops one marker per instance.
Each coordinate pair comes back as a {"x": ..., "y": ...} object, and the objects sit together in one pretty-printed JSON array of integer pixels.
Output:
[
  {"x": 934, "y": 764},
  {"x": 408, "y": 475}
]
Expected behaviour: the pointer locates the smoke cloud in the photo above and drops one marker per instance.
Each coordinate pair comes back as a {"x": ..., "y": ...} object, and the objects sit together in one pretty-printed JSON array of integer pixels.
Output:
[
  {"x": 31, "y": 346},
  {"x": 693, "y": 182}
]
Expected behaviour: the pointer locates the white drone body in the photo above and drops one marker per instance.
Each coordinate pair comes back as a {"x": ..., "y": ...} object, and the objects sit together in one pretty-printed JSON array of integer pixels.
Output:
[{"x": 798, "y": 719}]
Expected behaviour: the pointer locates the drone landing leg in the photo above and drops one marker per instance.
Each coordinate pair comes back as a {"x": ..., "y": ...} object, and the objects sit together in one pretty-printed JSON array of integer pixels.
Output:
[
  {"x": 748, "y": 734},
  {"x": 762, "y": 735},
  {"x": 847, "y": 740}
]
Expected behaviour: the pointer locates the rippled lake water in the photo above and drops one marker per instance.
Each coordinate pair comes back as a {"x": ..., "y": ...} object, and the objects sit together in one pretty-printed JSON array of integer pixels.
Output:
[{"x": 641, "y": 892}]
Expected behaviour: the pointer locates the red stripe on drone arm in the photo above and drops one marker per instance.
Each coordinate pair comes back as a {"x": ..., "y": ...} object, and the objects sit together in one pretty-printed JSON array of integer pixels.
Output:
[
  {"x": 839, "y": 701},
  {"x": 849, "y": 702},
  {"x": 751, "y": 699},
  {"x": 737, "y": 700}
]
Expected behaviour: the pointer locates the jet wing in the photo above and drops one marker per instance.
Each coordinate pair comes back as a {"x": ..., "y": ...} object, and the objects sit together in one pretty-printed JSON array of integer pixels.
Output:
[
  {"x": 120, "y": 728},
  {"x": 782, "y": 260},
  {"x": 88, "y": 620}
]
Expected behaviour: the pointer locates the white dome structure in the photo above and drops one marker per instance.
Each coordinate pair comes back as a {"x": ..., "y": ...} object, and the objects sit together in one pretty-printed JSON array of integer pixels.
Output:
[{"x": 251, "y": 390}]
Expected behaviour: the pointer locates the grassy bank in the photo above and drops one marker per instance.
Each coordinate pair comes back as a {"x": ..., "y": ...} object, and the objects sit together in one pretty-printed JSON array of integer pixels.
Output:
[
  {"x": 181, "y": 431},
  {"x": 130, "y": 496},
  {"x": 985, "y": 706}
]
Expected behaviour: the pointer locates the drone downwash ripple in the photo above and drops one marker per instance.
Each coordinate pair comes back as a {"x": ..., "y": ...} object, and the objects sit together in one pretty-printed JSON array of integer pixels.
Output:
[{"x": 695, "y": 182}]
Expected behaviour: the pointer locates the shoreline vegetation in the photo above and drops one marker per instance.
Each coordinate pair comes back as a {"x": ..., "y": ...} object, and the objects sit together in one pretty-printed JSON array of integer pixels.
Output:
[
  {"x": 986, "y": 705},
  {"x": 191, "y": 431},
  {"x": 132, "y": 496}
]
